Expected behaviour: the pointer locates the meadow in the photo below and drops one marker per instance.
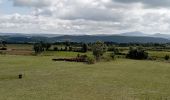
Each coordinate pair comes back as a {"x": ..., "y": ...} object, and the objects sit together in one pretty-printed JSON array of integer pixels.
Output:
[{"x": 44, "y": 79}]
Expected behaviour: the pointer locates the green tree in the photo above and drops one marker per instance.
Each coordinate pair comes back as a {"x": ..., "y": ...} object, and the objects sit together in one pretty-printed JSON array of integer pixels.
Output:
[
  {"x": 70, "y": 48},
  {"x": 112, "y": 55},
  {"x": 84, "y": 48},
  {"x": 167, "y": 57},
  {"x": 47, "y": 46},
  {"x": 99, "y": 48},
  {"x": 3, "y": 45},
  {"x": 137, "y": 54},
  {"x": 38, "y": 48}
]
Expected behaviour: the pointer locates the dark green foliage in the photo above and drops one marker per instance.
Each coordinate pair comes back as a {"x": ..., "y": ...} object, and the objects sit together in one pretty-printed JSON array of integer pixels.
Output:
[
  {"x": 67, "y": 43},
  {"x": 70, "y": 48},
  {"x": 38, "y": 48},
  {"x": 78, "y": 55},
  {"x": 47, "y": 46},
  {"x": 112, "y": 55},
  {"x": 167, "y": 57},
  {"x": 65, "y": 49},
  {"x": 41, "y": 46},
  {"x": 114, "y": 49},
  {"x": 99, "y": 48},
  {"x": 55, "y": 49},
  {"x": 137, "y": 54},
  {"x": 84, "y": 48},
  {"x": 3, "y": 45}
]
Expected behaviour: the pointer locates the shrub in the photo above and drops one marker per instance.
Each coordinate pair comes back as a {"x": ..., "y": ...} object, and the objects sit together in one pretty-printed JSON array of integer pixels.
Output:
[
  {"x": 55, "y": 49},
  {"x": 114, "y": 49},
  {"x": 78, "y": 55},
  {"x": 91, "y": 60},
  {"x": 137, "y": 54},
  {"x": 112, "y": 55},
  {"x": 167, "y": 57}
]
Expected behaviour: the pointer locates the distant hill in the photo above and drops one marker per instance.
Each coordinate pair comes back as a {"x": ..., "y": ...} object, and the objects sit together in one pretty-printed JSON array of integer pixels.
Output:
[
  {"x": 136, "y": 33},
  {"x": 140, "y": 34},
  {"x": 111, "y": 38},
  {"x": 82, "y": 38},
  {"x": 166, "y": 36}
]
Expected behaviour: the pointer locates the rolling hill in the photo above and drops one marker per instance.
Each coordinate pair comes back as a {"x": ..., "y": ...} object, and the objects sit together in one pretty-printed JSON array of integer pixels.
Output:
[{"x": 82, "y": 38}]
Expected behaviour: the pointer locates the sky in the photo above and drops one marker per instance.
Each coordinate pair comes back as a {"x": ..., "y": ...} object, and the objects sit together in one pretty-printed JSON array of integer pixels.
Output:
[{"x": 84, "y": 16}]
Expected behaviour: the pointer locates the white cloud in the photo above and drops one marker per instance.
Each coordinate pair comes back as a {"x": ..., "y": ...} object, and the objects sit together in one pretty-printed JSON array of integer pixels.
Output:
[
  {"x": 87, "y": 16},
  {"x": 31, "y": 3},
  {"x": 148, "y": 3}
]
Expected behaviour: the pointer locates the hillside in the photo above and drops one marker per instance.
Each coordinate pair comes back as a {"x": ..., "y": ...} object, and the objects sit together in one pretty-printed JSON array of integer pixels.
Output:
[{"x": 83, "y": 38}]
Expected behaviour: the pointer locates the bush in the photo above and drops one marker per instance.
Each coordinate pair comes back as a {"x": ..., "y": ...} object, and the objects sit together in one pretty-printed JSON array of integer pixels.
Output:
[
  {"x": 55, "y": 49},
  {"x": 91, "y": 60},
  {"x": 3, "y": 48},
  {"x": 167, "y": 57},
  {"x": 78, "y": 55},
  {"x": 137, "y": 54},
  {"x": 112, "y": 55}
]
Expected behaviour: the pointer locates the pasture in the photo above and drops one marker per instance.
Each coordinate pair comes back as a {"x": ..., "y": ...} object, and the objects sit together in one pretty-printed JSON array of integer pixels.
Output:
[{"x": 44, "y": 79}]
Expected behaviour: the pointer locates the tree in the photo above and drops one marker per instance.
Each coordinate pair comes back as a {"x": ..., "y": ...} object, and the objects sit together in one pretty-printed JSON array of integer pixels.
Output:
[
  {"x": 167, "y": 57},
  {"x": 99, "y": 48},
  {"x": 38, "y": 48},
  {"x": 84, "y": 48},
  {"x": 3, "y": 45},
  {"x": 112, "y": 55},
  {"x": 47, "y": 46},
  {"x": 67, "y": 43},
  {"x": 137, "y": 54},
  {"x": 65, "y": 49},
  {"x": 70, "y": 48},
  {"x": 55, "y": 49}
]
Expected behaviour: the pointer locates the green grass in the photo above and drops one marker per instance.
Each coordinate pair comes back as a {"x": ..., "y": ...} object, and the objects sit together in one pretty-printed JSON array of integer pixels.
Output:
[
  {"x": 158, "y": 54},
  {"x": 47, "y": 80}
]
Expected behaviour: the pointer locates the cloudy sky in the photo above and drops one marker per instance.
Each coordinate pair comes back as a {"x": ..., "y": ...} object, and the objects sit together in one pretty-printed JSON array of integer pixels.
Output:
[{"x": 84, "y": 16}]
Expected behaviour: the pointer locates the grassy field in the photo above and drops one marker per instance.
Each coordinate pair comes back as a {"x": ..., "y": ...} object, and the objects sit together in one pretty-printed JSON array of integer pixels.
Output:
[
  {"x": 44, "y": 79},
  {"x": 18, "y": 49},
  {"x": 159, "y": 54}
]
